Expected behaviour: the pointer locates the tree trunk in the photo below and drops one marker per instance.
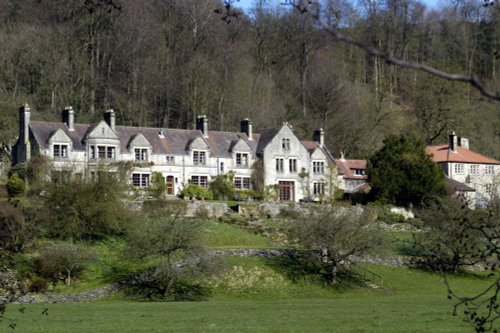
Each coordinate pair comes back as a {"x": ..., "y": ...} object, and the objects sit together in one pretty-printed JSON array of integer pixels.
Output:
[{"x": 334, "y": 272}]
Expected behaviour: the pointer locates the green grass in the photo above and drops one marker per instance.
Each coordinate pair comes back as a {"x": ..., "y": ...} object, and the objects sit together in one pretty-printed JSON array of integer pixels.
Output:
[
  {"x": 406, "y": 300},
  {"x": 221, "y": 235}
]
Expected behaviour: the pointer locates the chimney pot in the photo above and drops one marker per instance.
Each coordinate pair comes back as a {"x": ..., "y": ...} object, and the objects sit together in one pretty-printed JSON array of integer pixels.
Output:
[
  {"x": 246, "y": 127},
  {"x": 110, "y": 119},
  {"x": 453, "y": 142},
  {"x": 319, "y": 137},
  {"x": 68, "y": 117},
  {"x": 202, "y": 125},
  {"x": 24, "y": 151}
]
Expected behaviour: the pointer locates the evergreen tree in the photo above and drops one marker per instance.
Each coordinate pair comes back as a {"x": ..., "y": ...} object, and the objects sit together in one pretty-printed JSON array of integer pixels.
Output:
[{"x": 401, "y": 173}]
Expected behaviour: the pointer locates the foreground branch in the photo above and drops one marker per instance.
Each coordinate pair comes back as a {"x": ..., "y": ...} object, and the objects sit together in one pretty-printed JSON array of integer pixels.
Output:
[{"x": 472, "y": 80}]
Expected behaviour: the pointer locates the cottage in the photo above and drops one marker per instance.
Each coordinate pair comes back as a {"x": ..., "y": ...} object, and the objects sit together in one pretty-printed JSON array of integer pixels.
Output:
[{"x": 469, "y": 174}]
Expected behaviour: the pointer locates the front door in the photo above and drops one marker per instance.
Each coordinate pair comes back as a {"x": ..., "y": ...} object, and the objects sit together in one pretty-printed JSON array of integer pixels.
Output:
[
  {"x": 170, "y": 185},
  {"x": 286, "y": 190}
]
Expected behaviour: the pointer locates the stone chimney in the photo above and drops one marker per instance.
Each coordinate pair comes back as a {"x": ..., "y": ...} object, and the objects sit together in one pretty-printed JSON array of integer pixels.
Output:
[
  {"x": 68, "y": 117},
  {"x": 342, "y": 156},
  {"x": 453, "y": 144},
  {"x": 24, "y": 147},
  {"x": 319, "y": 137},
  {"x": 246, "y": 127},
  {"x": 202, "y": 125},
  {"x": 110, "y": 119},
  {"x": 464, "y": 143}
]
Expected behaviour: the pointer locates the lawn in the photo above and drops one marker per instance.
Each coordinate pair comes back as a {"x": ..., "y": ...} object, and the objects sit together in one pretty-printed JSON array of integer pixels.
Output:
[{"x": 405, "y": 300}]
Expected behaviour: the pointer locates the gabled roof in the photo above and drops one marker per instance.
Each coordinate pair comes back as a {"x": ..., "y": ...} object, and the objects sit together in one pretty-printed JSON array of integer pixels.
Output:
[
  {"x": 348, "y": 166},
  {"x": 442, "y": 153},
  {"x": 173, "y": 141},
  {"x": 265, "y": 137},
  {"x": 42, "y": 132},
  {"x": 311, "y": 146}
]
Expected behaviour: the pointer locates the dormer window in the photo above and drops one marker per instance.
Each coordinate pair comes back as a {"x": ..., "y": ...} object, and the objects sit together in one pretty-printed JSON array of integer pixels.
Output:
[
  {"x": 199, "y": 157},
  {"x": 359, "y": 172},
  {"x": 102, "y": 152},
  {"x": 60, "y": 151},
  {"x": 242, "y": 160},
  {"x": 141, "y": 154}
]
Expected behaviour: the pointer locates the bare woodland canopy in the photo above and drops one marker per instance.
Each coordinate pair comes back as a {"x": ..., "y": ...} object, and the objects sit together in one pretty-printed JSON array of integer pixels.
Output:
[{"x": 162, "y": 62}]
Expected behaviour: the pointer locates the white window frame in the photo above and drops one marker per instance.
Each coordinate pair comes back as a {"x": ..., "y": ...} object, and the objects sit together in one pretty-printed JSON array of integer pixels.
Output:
[
  {"x": 280, "y": 162},
  {"x": 102, "y": 152},
  {"x": 458, "y": 168},
  {"x": 60, "y": 150},
  {"x": 242, "y": 160},
  {"x": 319, "y": 167},
  {"x": 318, "y": 188},
  {"x": 199, "y": 157},
  {"x": 140, "y": 180},
  {"x": 170, "y": 160},
  {"x": 285, "y": 143},
  {"x": 489, "y": 170},
  {"x": 200, "y": 180},
  {"x": 292, "y": 165},
  {"x": 474, "y": 169},
  {"x": 241, "y": 183},
  {"x": 141, "y": 154}
]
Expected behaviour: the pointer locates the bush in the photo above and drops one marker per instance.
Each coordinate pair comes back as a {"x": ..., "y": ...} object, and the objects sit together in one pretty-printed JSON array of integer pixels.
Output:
[
  {"x": 38, "y": 284},
  {"x": 15, "y": 232},
  {"x": 222, "y": 187},
  {"x": 16, "y": 186},
  {"x": 62, "y": 261},
  {"x": 86, "y": 210},
  {"x": 158, "y": 186},
  {"x": 197, "y": 192},
  {"x": 451, "y": 236}
]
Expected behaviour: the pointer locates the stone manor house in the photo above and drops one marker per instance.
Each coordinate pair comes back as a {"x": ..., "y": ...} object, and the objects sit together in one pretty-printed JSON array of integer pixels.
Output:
[{"x": 299, "y": 170}]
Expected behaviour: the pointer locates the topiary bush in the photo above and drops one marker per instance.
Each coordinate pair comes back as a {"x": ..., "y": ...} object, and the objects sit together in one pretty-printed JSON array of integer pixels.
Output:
[{"x": 16, "y": 186}]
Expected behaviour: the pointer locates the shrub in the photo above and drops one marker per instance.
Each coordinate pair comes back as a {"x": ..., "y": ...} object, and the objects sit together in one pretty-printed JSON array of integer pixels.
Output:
[
  {"x": 222, "y": 186},
  {"x": 451, "y": 236},
  {"x": 38, "y": 284},
  {"x": 158, "y": 186},
  {"x": 197, "y": 192},
  {"x": 16, "y": 186},
  {"x": 15, "y": 232},
  {"x": 86, "y": 210},
  {"x": 62, "y": 261}
]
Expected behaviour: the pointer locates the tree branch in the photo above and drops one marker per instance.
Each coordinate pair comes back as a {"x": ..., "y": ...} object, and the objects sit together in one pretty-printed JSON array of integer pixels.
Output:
[{"x": 472, "y": 80}]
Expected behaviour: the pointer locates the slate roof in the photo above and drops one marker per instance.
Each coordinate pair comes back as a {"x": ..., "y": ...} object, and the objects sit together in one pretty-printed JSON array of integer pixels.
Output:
[
  {"x": 442, "y": 153},
  {"x": 265, "y": 137},
  {"x": 173, "y": 142},
  {"x": 455, "y": 186},
  {"x": 42, "y": 131}
]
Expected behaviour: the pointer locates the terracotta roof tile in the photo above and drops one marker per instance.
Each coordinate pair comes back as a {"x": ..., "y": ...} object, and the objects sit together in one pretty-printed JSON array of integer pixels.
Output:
[
  {"x": 347, "y": 168},
  {"x": 442, "y": 153}
]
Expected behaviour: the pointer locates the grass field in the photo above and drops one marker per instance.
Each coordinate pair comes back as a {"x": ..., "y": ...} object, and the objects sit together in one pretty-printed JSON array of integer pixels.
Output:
[{"x": 405, "y": 300}]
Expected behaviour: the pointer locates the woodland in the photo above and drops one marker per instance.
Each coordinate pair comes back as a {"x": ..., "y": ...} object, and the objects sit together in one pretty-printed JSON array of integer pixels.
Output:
[{"x": 163, "y": 62}]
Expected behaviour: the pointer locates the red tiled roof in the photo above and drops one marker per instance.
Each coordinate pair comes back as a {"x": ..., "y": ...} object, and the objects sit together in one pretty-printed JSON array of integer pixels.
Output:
[
  {"x": 442, "y": 153},
  {"x": 347, "y": 168}
]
